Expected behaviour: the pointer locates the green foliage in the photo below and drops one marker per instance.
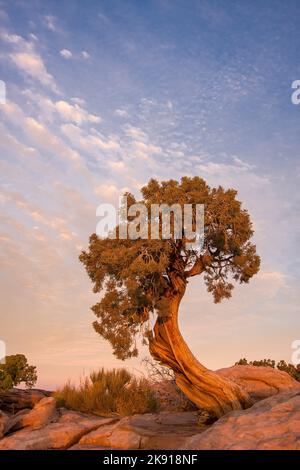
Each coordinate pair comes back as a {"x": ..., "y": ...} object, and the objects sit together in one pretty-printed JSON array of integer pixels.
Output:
[
  {"x": 109, "y": 392},
  {"x": 15, "y": 371},
  {"x": 138, "y": 277},
  {"x": 262, "y": 363},
  {"x": 293, "y": 371},
  {"x": 242, "y": 362}
]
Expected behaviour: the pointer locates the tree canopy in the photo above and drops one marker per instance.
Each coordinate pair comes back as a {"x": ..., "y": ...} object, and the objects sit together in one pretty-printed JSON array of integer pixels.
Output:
[
  {"x": 15, "y": 371},
  {"x": 137, "y": 278}
]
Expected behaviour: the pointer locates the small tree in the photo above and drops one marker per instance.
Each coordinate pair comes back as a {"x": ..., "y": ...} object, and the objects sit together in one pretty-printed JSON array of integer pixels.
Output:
[
  {"x": 15, "y": 371},
  {"x": 294, "y": 371},
  {"x": 260, "y": 363},
  {"x": 143, "y": 277}
]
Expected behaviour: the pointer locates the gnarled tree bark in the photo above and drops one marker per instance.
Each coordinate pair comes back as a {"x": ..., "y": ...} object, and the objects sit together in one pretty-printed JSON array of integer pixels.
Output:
[{"x": 206, "y": 389}]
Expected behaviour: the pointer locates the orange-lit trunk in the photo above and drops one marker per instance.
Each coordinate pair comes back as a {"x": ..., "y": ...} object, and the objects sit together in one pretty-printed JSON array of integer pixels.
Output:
[{"x": 206, "y": 389}]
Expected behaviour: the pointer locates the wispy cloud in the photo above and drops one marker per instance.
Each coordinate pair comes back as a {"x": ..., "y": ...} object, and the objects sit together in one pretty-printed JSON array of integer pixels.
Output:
[
  {"x": 51, "y": 23},
  {"x": 85, "y": 55},
  {"x": 25, "y": 57},
  {"x": 121, "y": 113},
  {"x": 66, "y": 54},
  {"x": 91, "y": 142}
]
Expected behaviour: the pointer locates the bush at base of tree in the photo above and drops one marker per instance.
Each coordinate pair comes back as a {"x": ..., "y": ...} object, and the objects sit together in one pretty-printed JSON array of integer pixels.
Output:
[
  {"x": 109, "y": 392},
  {"x": 293, "y": 371},
  {"x": 15, "y": 371}
]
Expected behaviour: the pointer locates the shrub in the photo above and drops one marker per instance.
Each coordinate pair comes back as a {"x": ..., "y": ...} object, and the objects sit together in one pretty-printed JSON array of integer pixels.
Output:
[
  {"x": 109, "y": 392},
  {"x": 293, "y": 371},
  {"x": 137, "y": 398}
]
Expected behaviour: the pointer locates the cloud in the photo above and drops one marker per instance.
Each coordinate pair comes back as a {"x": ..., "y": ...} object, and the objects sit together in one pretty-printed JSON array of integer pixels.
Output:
[
  {"x": 147, "y": 103},
  {"x": 103, "y": 17},
  {"x": 144, "y": 150},
  {"x": 121, "y": 113},
  {"x": 33, "y": 65},
  {"x": 13, "y": 112},
  {"x": 242, "y": 164},
  {"x": 3, "y": 15},
  {"x": 140, "y": 145},
  {"x": 33, "y": 37},
  {"x": 57, "y": 224},
  {"x": 270, "y": 283},
  {"x": 10, "y": 144},
  {"x": 66, "y": 54},
  {"x": 42, "y": 137},
  {"x": 26, "y": 58},
  {"x": 136, "y": 133},
  {"x": 45, "y": 139},
  {"x": 229, "y": 174},
  {"x": 11, "y": 38},
  {"x": 85, "y": 55},
  {"x": 89, "y": 142},
  {"x": 79, "y": 101},
  {"x": 67, "y": 111},
  {"x": 107, "y": 191},
  {"x": 117, "y": 166},
  {"x": 51, "y": 23},
  {"x": 75, "y": 113}
]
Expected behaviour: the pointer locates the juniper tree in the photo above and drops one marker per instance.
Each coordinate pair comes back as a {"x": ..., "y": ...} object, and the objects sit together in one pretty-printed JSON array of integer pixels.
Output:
[
  {"x": 144, "y": 278},
  {"x": 15, "y": 371}
]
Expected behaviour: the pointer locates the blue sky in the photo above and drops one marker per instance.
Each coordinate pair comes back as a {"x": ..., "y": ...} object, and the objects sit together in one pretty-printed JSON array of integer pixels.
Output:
[{"x": 101, "y": 96}]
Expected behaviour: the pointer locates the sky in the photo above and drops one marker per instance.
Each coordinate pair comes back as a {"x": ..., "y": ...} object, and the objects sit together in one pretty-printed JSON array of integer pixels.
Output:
[{"x": 101, "y": 96}]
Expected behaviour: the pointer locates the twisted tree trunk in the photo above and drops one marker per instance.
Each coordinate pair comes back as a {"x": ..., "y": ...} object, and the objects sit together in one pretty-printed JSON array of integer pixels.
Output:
[{"x": 205, "y": 388}]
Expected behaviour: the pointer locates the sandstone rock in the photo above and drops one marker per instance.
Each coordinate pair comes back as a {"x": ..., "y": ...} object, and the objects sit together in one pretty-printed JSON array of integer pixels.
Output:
[
  {"x": 273, "y": 423},
  {"x": 260, "y": 382},
  {"x": 43, "y": 413},
  {"x": 71, "y": 416},
  {"x": 148, "y": 431},
  {"x": 14, "y": 419},
  {"x": 4, "y": 423},
  {"x": 16, "y": 399},
  {"x": 60, "y": 435},
  {"x": 99, "y": 437},
  {"x": 125, "y": 439}
]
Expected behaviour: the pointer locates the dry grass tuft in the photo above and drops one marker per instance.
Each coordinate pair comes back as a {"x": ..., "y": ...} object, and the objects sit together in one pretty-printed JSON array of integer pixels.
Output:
[{"x": 109, "y": 392}]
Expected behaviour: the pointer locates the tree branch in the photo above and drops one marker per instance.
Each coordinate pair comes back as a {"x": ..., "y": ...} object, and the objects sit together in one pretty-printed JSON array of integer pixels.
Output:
[{"x": 196, "y": 269}]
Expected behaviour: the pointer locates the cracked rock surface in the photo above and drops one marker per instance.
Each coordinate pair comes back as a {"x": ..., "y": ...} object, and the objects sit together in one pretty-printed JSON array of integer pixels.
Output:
[
  {"x": 273, "y": 423},
  {"x": 30, "y": 420}
]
